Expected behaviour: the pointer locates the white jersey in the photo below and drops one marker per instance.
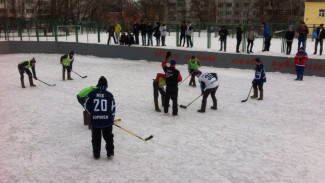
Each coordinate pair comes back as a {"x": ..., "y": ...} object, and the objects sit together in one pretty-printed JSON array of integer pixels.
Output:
[{"x": 209, "y": 80}]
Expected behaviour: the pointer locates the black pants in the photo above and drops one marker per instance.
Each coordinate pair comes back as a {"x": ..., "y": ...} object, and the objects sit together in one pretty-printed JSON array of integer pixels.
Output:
[
  {"x": 21, "y": 72},
  {"x": 144, "y": 39},
  {"x": 251, "y": 44},
  {"x": 171, "y": 93},
  {"x": 68, "y": 68},
  {"x": 189, "y": 41},
  {"x": 158, "y": 41},
  {"x": 182, "y": 38},
  {"x": 267, "y": 43},
  {"x": 259, "y": 85},
  {"x": 289, "y": 46},
  {"x": 109, "y": 39},
  {"x": 238, "y": 44},
  {"x": 320, "y": 41},
  {"x": 223, "y": 42},
  {"x": 136, "y": 35},
  {"x": 157, "y": 89},
  {"x": 209, "y": 91},
  {"x": 96, "y": 135},
  {"x": 163, "y": 38}
]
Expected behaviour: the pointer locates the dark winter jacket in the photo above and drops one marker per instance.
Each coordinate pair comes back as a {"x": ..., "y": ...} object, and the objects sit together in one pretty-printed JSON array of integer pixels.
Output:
[
  {"x": 150, "y": 29},
  {"x": 100, "y": 105},
  {"x": 303, "y": 32},
  {"x": 143, "y": 28},
  {"x": 183, "y": 30},
  {"x": 157, "y": 31},
  {"x": 129, "y": 40},
  {"x": 320, "y": 33},
  {"x": 260, "y": 74},
  {"x": 111, "y": 30},
  {"x": 173, "y": 76},
  {"x": 223, "y": 33},
  {"x": 136, "y": 28},
  {"x": 239, "y": 33},
  {"x": 290, "y": 35}
]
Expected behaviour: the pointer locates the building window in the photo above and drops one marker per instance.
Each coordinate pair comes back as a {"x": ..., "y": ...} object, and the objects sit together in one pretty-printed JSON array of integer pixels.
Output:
[
  {"x": 228, "y": 13},
  {"x": 321, "y": 13},
  {"x": 246, "y": 4},
  {"x": 220, "y": 12},
  {"x": 220, "y": 5},
  {"x": 236, "y": 13},
  {"x": 229, "y": 5}
]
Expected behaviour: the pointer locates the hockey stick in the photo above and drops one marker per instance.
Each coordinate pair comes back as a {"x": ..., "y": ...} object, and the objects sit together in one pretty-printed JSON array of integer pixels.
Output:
[
  {"x": 79, "y": 74},
  {"x": 248, "y": 95},
  {"x": 184, "y": 107},
  {"x": 189, "y": 75},
  {"x": 117, "y": 120},
  {"x": 146, "y": 139},
  {"x": 46, "y": 83}
]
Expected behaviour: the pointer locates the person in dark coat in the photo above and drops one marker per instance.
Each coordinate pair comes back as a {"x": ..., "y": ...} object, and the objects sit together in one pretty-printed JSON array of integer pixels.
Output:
[
  {"x": 149, "y": 33},
  {"x": 223, "y": 33},
  {"x": 123, "y": 39},
  {"x": 250, "y": 40},
  {"x": 136, "y": 30},
  {"x": 100, "y": 104},
  {"x": 110, "y": 31},
  {"x": 130, "y": 39},
  {"x": 303, "y": 32},
  {"x": 267, "y": 36},
  {"x": 183, "y": 34},
  {"x": 259, "y": 79},
  {"x": 143, "y": 29},
  {"x": 157, "y": 34},
  {"x": 239, "y": 33},
  {"x": 289, "y": 38},
  {"x": 173, "y": 77},
  {"x": 319, "y": 39}
]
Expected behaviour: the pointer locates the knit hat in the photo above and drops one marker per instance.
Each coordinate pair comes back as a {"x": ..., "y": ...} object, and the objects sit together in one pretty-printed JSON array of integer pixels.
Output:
[
  {"x": 258, "y": 60},
  {"x": 302, "y": 48},
  {"x": 33, "y": 60},
  {"x": 172, "y": 62},
  {"x": 198, "y": 72},
  {"x": 102, "y": 81},
  {"x": 71, "y": 53}
]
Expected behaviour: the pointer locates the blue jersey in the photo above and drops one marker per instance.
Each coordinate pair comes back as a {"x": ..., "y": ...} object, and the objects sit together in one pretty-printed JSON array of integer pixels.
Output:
[
  {"x": 260, "y": 74},
  {"x": 100, "y": 105}
]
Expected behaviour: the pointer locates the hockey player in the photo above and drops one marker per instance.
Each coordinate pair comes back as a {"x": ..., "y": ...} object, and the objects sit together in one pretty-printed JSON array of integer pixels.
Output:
[
  {"x": 158, "y": 86},
  {"x": 300, "y": 62},
  {"x": 209, "y": 85},
  {"x": 66, "y": 61},
  {"x": 24, "y": 67},
  {"x": 259, "y": 79},
  {"x": 173, "y": 76},
  {"x": 193, "y": 65},
  {"x": 100, "y": 105}
]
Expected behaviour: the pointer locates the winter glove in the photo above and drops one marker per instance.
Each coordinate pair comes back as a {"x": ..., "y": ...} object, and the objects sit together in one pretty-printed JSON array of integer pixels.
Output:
[
  {"x": 300, "y": 59},
  {"x": 35, "y": 77},
  {"x": 253, "y": 82},
  {"x": 168, "y": 54}
]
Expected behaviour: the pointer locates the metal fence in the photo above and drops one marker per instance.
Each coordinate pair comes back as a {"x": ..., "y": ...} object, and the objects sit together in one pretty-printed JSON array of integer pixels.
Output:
[{"x": 56, "y": 30}]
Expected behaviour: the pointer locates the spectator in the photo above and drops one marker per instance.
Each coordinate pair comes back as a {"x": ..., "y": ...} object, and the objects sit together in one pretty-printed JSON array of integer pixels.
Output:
[
  {"x": 267, "y": 37},
  {"x": 143, "y": 29},
  {"x": 303, "y": 32},
  {"x": 289, "y": 37},
  {"x": 130, "y": 39},
  {"x": 239, "y": 33},
  {"x": 117, "y": 31},
  {"x": 300, "y": 62},
  {"x": 319, "y": 39},
  {"x": 183, "y": 33},
  {"x": 163, "y": 33},
  {"x": 250, "y": 40},
  {"x": 189, "y": 30},
  {"x": 123, "y": 39},
  {"x": 110, "y": 31},
  {"x": 149, "y": 33},
  {"x": 136, "y": 30},
  {"x": 223, "y": 33},
  {"x": 157, "y": 33}
]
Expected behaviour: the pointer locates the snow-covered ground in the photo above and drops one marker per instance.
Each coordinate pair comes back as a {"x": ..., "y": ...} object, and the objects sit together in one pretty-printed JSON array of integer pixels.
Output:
[
  {"x": 199, "y": 40},
  {"x": 43, "y": 139}
]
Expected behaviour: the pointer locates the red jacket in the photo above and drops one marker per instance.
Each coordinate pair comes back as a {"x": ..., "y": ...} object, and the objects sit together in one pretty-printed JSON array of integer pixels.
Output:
[{"x": 301, "y": 58}]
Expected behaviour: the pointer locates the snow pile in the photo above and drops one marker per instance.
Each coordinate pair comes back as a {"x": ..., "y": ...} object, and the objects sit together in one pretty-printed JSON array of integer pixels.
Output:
[{"x": 42, "y": 137}]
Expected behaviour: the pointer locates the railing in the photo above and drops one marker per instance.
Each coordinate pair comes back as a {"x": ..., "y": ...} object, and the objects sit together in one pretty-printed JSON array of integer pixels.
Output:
[{"x": 55, "y": 30}]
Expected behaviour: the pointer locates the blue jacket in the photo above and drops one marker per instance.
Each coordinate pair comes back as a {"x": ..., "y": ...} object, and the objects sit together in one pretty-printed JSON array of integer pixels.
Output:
[
  {"x": 266, "y": 31},
  {"x": 260, "y": 74},
  {"x": 100, "y": 105}
]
